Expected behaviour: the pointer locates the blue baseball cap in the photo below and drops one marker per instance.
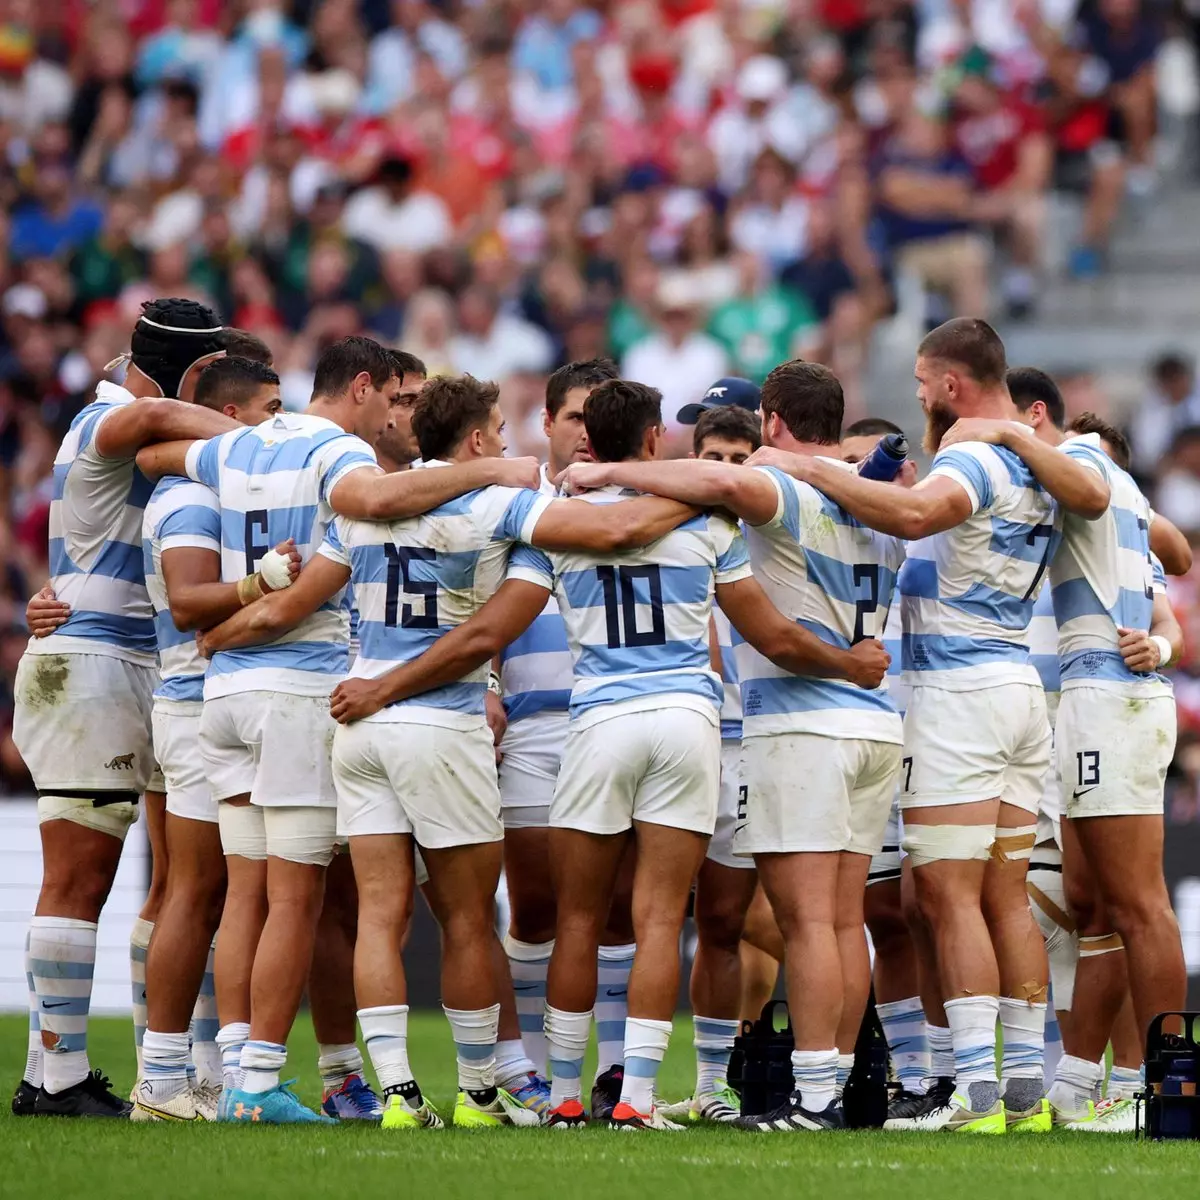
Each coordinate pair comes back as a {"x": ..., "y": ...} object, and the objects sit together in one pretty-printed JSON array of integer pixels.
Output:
[{"x": 732, "y": 389}]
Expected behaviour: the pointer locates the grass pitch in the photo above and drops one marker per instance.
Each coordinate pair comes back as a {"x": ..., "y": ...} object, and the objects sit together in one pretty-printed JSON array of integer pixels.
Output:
[{"x": 42, "y": 1159}]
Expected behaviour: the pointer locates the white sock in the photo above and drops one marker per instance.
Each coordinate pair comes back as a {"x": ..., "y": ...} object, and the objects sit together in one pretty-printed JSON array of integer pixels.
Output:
[
  {"x": 903, "y": 1024},
  {"x": 337, "y": 1064},
  {"x": 973, "y": 1031},
  {"x": 1054, "y": 1045},
  {"x": 815, "y": 1075},
  {"x": 1124, "y": 1083},
  {"x": 164, "y": 1064},
  {"x": 1023, "y": 1030},
  {"x": 566, "y": 1040},
  {"x": 139, "y": 943},
  {"x": 612, "y": 1004},
  {"x": 513, "y": 1066},
  {"x": 33, "y": 1055},
  {"x": 385, "y": 1030},
  {"x": 529, "y": 962},
  {"x": 62, "y": 959},
  {"x": 713, "y": 1039},
  {"x": 941, "y": 1051},
  {"x": 645, "y": 1046},
  {"x": 206, "y": 1057},
  {"x": 475, "y": 1031},
  {"x": 261, "y": 1064},
  {"x": 230, "y": 1040},
  {"x": 1076, "y": 1081}
]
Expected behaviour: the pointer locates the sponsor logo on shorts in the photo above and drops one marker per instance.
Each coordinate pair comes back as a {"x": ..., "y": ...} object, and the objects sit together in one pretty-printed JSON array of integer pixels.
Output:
[
  {"x": 122, "y": 762},
  {"x": 1075, "y": 795}
]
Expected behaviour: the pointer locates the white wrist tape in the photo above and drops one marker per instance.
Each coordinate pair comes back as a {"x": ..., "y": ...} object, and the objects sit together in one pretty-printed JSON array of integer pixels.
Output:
[
  {"x": 1164, "y": 649},
  {"x": 274, "y": 570}
]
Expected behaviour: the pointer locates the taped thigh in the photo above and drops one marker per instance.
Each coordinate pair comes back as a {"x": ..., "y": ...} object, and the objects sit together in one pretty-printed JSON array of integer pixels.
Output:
[
  {"x": 1014, "y": 845},
  {"x": 243, "y": 832},
  {"x": 926, "y": 844},
  {"x": 112, "y": 814}
]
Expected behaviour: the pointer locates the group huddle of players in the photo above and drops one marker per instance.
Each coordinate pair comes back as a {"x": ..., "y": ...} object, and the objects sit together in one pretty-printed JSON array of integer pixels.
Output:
[{"x": 351, "y": 653}]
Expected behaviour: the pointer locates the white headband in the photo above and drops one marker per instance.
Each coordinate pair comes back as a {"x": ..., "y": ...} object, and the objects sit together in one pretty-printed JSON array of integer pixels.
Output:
[{"x": 175, "y": 329}]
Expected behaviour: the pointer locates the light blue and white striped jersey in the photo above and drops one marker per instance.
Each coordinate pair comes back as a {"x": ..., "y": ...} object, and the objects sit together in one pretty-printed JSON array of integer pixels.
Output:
[
  {"x": 825, "y": 571},
  {"x": 968, "y": 592},
  {"x": 728, "y": 639},
  {"x": 893, "y": 630},
  {"x": 418, "y": 578},
  {"x": 1043, "y": 649},
  {"x": 637, "y": 621},
  {"x": 1102, "y": 577},
  {"x": 96, "y": 544},
  {"x": 181, "y": 515},
  {"x": 536, "y": 676},
  {"x": 273, "y": 481}
]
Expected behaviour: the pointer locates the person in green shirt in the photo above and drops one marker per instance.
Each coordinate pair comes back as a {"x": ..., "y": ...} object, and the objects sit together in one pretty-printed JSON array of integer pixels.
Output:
[
  {"x": 103, "y": 266},
  {"x": 764, "y": 324}
]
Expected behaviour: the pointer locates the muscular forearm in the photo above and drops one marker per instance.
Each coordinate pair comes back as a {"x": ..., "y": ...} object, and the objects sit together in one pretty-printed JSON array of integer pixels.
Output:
[
  {"x": 255, "y": 625},
  {"x": 1076, "y": 487},
  {"x": 446, "y": 661},
  {"x": 203, "y": 605},
  {"x": 901, "y": 512}
]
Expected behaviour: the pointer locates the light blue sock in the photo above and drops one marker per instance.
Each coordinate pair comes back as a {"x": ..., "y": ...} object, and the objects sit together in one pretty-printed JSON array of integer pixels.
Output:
[
  {"x": 713, "y": 1040},
  {"x": 903, "y": 1024},
  {"x": 612, "y": 1004}
]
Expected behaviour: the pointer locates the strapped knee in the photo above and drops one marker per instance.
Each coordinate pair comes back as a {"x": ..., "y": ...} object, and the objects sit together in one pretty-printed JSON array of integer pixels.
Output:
[
  {"x": 1012, "y": 845},
  {"x": 939, "y": 843}
]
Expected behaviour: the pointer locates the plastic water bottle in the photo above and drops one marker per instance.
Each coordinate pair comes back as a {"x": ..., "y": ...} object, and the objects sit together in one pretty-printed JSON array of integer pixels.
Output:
[{"x": 885, "y": 461}]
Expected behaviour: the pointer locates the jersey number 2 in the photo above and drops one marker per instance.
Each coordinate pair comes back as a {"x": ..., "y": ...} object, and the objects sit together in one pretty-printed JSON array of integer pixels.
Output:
[
  {"x": 620, "y": 611},
  {"x": 398, "y": 560}
]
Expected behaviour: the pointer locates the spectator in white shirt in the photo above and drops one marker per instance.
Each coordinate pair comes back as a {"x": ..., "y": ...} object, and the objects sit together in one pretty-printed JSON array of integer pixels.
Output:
[
  {"x": 392, "y": 215},
  {"x": 773, "y": 222},
  {"x": 495, "y": 345},
  {"x": 679, "y": 359},
  {"x": 756, "y": 120}
]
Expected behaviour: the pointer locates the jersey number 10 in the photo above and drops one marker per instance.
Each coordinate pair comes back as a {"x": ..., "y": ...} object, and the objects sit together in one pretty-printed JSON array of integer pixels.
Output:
[{"x": 620, "y": 606}]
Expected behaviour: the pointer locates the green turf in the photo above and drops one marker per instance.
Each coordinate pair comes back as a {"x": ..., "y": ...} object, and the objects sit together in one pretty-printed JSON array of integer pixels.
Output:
[{"x": 55, "y": 1160}]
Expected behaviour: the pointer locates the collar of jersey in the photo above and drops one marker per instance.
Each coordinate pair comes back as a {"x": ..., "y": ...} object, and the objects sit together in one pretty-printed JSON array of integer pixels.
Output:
[{"x": 108, "y": 392}]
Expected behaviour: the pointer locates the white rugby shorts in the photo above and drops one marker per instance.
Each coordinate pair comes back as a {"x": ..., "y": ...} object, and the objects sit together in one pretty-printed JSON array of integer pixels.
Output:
[
  {"x": 806, "y": 793},
  {"x": 435, "y": 783},
  {"x": 662, "y": 767},
  {"x": 968, "y": 747},
  {"x": 177, "y": 748},
  {"x": 1113, "y": 752},
  {"x": 82, "y": 722},
  {"x": 272, "y": 746},
  {"x": 533, "y": 750},
  {"x": 731, "y": 809}
]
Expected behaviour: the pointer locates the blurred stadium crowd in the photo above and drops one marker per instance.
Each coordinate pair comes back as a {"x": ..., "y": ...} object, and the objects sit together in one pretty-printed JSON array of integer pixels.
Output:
[{"x": 696, "y": 187}]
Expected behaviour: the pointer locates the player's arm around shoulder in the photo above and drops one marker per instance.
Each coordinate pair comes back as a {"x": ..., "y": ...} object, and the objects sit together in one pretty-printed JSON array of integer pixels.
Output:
[
  {"x": 1168, "y": 542},
  {"x": 1074, "y": 475},
  {"x": 124, "y": 430},
  {"x": 374, "y": 496},
  {"x": 577, "y": 524},
  {"x": 688, "y": 481},
  {"x": 903, "y": 512}
]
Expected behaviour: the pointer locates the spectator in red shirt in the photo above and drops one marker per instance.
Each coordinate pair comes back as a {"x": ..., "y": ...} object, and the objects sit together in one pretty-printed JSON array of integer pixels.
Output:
[{"x": 1004, "y": 141}]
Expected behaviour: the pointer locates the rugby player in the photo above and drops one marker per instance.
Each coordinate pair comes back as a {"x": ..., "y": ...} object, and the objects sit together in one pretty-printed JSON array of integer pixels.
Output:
[
  {"x": 83, "y": 694},
  {"x": 977, "y": 742},
  {"x": 819, "y": 755},
  {"x": 182, "y": 537}
]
